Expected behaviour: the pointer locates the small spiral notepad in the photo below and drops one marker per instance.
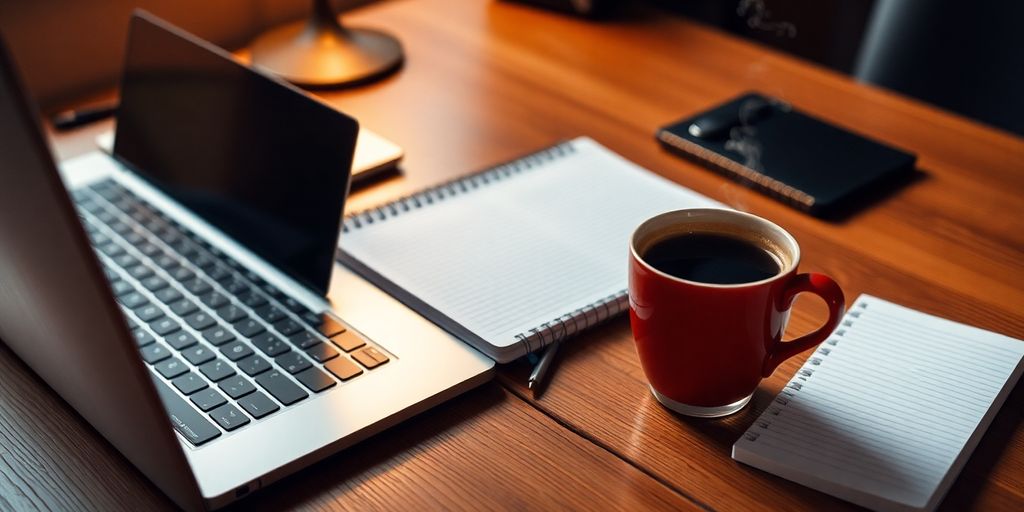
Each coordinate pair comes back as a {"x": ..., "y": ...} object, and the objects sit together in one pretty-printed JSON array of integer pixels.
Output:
[
  {"x": 887, "y": 411},
  {"x": 518, "y": 256}
]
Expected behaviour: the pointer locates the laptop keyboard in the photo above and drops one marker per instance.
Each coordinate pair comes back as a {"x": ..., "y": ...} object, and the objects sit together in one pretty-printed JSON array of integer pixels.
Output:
[{"x": 225, "y": 347}]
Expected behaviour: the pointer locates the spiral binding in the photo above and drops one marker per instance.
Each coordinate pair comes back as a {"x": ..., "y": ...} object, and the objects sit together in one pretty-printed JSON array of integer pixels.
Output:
[
  {"x": 455, "y": 187},
  {"x": 805, "y": 372},
  {"x": 576, "y": 321}
]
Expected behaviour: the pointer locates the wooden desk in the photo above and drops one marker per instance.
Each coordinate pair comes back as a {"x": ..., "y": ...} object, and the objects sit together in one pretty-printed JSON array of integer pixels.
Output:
[{"x": 486, "y": 81}]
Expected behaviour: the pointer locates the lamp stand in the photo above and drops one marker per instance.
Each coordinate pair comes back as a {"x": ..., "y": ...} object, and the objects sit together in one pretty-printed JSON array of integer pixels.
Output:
[{"x": 320, "y": 52}]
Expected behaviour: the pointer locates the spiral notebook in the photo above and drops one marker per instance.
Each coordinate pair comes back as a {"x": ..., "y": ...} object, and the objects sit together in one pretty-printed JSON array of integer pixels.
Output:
[
  {"x": 888, "y": 409},
  {"x": 518, "y": 256}
]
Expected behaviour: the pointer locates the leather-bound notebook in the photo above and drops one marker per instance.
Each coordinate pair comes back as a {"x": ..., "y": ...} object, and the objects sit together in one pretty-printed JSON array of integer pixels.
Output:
[
  {"x": 807, "y": 163},
  {"x": 515, "y": 257}
]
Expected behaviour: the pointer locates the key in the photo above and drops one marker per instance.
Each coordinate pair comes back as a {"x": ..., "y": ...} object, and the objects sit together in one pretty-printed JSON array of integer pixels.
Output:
[
  {"x": 236, "y": 386},
  {"x": 236, "y": 287},
  {"x": 248, "y": 327},
  {"x": 253, "y": 365},
  {"x": 231, "y": 313},
  {"x": 154, "y": 283},
  {"x": 112, "y": 250},
  {"x": 189, "y": 423},
  {"x": 208, "y": 399},
  {"x": 314, "y": 379},
  {"x": 370, "y": 357},
  {"x": 287, "y": 327},
  {"x": 126, "y": 261},
  {"x": 218, "y": 335},
  {"x": 200, "y": 321},
  {"x": 197, "y": 286},
  {"x": 348, "y": 341},
  {"x": 229, "y": 417},
  {"x": 164, "y": 326},
  {"x": 258, "y": 405},
  {"x": 168, "y": 295},
  {"x": 343, "y": 369},
  {"x": 148, "y": 312},
  {"x": 218, "y": 273},
  {"x": 142, "y": 336},
  {"x": 133, "y": 300},
  {"x": 197, "y": 355},
  {"x": 166, "y": 261},
  {"x": 304, "y": 339},
  {"x": 322, "y": 352},
  {"x": 121, "y": 287},
  {"x": 181, "y": 274},
  {"x": 293, "y": 362},
  {"x": 270, "y": 313},
  {"x": 283, "y": 389},
  {"x": 171, "y": 368},
  {"x": 252, "y": 299},
  {"x": 203, "y": 261},
  {"x": 140, "y": 272},
  {"x": 148, "y": 249},
  {"x": 154, "y": 353},
  {"x": 326, "y": 325},
  {"x": 181, "y": 340},
  {"x": 214, "y": 300},
  {"x": 270, "y": 344},
  {"x": 217, "y": 370},
  {"x": 189, "y": 383},
  {"x": 236, "y": 350},
  {"x": 293, "y": 305},
  {"x": 184, "y": 307}
]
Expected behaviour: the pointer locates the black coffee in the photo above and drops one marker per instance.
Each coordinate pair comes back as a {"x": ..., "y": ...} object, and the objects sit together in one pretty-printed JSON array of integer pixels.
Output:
[{"x": 711, "y": 258}]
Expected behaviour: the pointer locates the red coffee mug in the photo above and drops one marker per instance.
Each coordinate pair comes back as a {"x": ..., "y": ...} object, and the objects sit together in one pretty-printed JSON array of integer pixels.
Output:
[{"x": 705, "y": 347}]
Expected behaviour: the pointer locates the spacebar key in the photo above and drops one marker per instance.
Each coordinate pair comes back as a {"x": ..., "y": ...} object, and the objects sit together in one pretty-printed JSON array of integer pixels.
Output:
[{"x": 189, "y": 423}]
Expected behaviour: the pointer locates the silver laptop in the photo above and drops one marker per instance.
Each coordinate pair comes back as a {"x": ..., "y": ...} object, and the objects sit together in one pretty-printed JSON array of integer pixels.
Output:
[{"x": 182, "y": 294}]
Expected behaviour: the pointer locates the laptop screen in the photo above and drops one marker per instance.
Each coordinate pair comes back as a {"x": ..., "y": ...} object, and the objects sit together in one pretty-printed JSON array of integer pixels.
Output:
[{"x": 260, "y": 160}]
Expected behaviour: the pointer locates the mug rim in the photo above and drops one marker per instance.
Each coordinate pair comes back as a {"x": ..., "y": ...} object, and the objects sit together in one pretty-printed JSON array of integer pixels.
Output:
[{"x": 721, "y": 211}]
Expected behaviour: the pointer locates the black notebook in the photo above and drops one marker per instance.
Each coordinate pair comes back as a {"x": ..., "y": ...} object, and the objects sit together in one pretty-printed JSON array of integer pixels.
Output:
[
  {"x": 518, "y": 256},
  {"x": 805, "y": 162}
]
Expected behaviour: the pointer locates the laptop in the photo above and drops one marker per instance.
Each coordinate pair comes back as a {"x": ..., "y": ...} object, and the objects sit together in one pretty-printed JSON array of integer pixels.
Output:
[{"x": 182, "y": 294}]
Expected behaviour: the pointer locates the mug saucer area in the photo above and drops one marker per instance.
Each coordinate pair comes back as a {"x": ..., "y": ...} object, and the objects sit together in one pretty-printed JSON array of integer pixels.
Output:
[{"x": 701, "y": 412}]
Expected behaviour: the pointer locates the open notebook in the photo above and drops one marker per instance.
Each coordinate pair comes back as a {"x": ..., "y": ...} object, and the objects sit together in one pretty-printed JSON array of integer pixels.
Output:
[
  {"x": 515, "y": 257},
  {"x": 887, "y": 411}
]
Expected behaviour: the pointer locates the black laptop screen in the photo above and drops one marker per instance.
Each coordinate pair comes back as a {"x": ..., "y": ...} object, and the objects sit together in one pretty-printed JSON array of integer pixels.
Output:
[{"x": 260, "y": 160}]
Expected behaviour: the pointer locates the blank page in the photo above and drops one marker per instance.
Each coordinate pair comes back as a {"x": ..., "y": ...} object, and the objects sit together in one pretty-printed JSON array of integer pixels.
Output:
[
  {"x": 513, "y": 254},
  {"x": 886, "y": 412}
]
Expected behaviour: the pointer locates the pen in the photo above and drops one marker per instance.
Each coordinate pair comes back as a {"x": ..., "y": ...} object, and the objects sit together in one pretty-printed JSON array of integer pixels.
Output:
[
  {"x": 538, "y": 376},
  {"x": 68, "y": 119}
]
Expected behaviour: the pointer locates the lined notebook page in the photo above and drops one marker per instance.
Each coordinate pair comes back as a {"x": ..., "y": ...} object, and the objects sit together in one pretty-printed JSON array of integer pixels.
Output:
[
  {"x": 510, "y": 255},
  {"x": 888, "y": 409}
]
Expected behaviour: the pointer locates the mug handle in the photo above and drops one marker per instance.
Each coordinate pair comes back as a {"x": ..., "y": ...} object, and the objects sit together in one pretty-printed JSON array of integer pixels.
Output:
[{"x": 822, "y": 286}]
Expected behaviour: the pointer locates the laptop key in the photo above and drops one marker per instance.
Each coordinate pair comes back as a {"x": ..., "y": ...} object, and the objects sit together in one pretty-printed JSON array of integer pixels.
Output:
[
  {"x": 142, "y": 336},
  {"x": 270, "y": 313},
  {"x": 197, "y": 354},
  {"x": 171, "y": 368},
  {"x": 270, "y": 344},
  {"x": 164, "y": 326},
  {"x": 184, "y": 307},
  {"x": 215, "y": 300},
  {"x": 154, "y": 353},
  {"x": 248, "y": 327},
  {"x": 200, "y": 321},
  {"x": 166, "y": 261},
  {"x": 293, "y": 362},
  {"x": 304, "y": 339},
  {"x": 370, "y": 357},
  {"x": 140, "y": 272},
  {"x": 229, "y": 417},
  {"x": 348, "y": 341},
  {"x": 236, "y": 286},
  {"x": 148, "y": 312},
  {"x": 180, "y": 340},
  {"x": 154, "y": 283},
  {"x": 218, "y": 335},
  {"x": 197, "y": 286},
  {"x": 314, "y": 379},
  {"x": 283, "y": 389},
  {"x": 236, "y": 386},
  {"x": 189, "y": 423},
  {"x": 343, "y": 369},
  {"x": 126, "y": 261},
  {"x": 189, "y": 383},
  {"x": 252, "y": 299},
  {"x": 236, "y": 350},
  {"x": 168, "y": 295},
  {"x": 217, "y": 370},
  {"x": 287, "y": 327},
  {"x": 253, "y": 365},
  {"x": 322, "y": 352},
  {"x": 258, "y": 405},
  {"x": 121, "y": 287},
  {"x": 327, "y": 326},
  {"x": 231, "y": 313},
  {"x": 181, "y": 274},
  {"x": 218, "y": 273},
  {"x": 208, "y": 399},
  {"x": 133, "y": 300}
]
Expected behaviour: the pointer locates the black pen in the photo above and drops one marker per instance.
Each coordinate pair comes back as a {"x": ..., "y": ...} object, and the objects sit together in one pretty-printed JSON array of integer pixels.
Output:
[
  {"x": 538, "y": 376},
  {"x": 68, "y": 119}
]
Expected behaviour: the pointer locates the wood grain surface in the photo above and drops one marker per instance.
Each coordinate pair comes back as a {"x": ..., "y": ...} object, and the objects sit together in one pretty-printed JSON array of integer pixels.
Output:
[{"x": 487, "y": 81}]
